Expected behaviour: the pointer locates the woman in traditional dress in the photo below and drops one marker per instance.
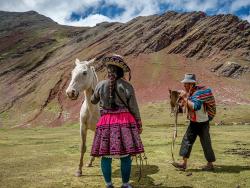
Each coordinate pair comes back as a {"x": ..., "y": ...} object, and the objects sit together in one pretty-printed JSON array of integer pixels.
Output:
[{"x": 119, "y": 127}]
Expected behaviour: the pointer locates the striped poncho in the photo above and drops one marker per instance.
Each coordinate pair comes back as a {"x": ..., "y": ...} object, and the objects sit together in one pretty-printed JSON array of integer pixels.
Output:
[{"x": 203, "y": 97}]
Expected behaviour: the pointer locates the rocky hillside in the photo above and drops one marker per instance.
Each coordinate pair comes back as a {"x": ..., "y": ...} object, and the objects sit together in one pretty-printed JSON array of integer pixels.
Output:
[
  {"x": 190, "y": 34},
  {"x": 37, "y": 55}
]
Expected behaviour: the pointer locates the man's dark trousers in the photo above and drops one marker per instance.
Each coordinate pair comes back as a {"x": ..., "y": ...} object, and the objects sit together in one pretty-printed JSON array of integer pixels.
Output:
[{"x": 202, "y": 130}]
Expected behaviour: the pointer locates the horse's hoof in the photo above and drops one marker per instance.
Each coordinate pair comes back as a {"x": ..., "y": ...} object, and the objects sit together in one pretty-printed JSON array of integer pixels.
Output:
[
  {"x": 89, "y": 165},
  {"x": 78, "y": 173}
]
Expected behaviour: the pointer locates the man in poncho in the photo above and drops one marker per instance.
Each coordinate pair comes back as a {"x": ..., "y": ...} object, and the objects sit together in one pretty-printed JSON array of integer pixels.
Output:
[{"x": 200, "y": 103}]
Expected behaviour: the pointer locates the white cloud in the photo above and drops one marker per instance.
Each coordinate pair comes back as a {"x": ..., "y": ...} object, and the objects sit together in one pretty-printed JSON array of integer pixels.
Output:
[
  {"x": 60, "y": 10},
  {"x": 134, "y": 8},
  {"x": 192, "y": 5},
  {"x": 201, "y": 6},
  {"x": 246, "y": 17},
  {"x": 91, "y": 20},
  {"x": 236, "y": 5}
]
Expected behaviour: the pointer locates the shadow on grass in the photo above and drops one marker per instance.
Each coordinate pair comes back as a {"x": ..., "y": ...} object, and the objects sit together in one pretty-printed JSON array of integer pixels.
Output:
[
  {"x": 91, "y": 175},
  {"x": 225, "y": 169},
  {"x": 146, "y": 181}
]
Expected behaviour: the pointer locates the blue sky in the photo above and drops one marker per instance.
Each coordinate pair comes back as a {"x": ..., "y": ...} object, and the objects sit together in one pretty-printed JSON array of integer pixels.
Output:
[{"x": 91, "y": 12}]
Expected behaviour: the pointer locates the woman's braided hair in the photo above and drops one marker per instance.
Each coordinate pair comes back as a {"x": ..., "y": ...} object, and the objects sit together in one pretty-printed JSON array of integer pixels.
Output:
[{"x": 114, "y": 73}]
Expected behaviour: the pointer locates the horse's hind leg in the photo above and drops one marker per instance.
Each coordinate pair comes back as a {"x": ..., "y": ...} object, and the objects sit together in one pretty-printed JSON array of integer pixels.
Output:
[
  {"x": 83, "y": 133},
  {"x": 90, "y": 162}
]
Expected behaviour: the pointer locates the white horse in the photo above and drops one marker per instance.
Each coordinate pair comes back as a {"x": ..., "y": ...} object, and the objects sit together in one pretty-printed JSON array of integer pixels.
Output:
[{"x": 84, "y": 78}]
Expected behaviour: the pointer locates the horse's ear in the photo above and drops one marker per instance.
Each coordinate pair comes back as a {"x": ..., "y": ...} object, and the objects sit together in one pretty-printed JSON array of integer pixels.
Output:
[
  {"x": 95, "y": 78},
  {"x": 91, "y": 62},
  {"x": 169, "y": 90},
  {"x": 77, "y": 61}
]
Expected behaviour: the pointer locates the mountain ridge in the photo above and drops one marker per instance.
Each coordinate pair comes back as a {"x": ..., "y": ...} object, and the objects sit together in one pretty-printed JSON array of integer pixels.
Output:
[{"x": 37, "y": 55}]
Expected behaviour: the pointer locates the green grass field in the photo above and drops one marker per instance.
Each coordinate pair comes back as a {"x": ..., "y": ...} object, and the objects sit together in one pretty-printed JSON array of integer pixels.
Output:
[{"x": 48, "y": 157}]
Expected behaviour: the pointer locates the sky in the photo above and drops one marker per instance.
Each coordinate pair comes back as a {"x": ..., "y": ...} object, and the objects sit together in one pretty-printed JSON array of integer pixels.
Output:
[{"x": 91, "y": 12}]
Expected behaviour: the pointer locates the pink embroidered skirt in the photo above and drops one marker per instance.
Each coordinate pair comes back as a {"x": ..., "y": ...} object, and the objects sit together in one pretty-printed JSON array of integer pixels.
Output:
[{"x": 116, "y": 134}]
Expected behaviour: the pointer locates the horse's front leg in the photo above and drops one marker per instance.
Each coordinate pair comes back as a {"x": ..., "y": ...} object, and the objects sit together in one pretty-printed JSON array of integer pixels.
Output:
[
  {"x": 90, "y": 164},
  {"x": 83, "y": 133},
  {"x": 92, "y": 126}
]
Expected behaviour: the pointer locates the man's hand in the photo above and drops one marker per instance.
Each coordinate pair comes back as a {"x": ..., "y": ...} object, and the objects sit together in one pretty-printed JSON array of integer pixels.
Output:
[
  {"x": 182, "y": 102},
  {"x": 183, "y": 94}
]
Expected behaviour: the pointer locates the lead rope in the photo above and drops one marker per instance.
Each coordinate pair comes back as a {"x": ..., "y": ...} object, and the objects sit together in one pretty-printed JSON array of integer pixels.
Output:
[
  {"x": 144, "y": 155},
  {"x": 141, "y": 164},
  {"x": 176, "y": 108},
  {"x": 139, "y": 156},
  {"x": 175, "y": 124}
]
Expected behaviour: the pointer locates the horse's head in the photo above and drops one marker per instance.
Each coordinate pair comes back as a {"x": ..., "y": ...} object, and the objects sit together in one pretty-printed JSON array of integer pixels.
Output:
[
  {"x": 174, "y": 95},
  {"x": 83, "y": 77}
]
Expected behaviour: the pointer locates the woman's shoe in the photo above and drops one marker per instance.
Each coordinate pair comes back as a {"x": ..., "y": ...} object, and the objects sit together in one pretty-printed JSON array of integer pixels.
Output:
[
  {"x": 110, "y": 186},
  {"x": 126, "y": 186}
]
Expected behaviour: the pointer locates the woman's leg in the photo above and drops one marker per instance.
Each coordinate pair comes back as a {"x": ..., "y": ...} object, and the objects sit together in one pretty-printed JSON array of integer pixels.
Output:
[
  {"x": 106, "y": 169},
  {"x": 126, "y": 169}
]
